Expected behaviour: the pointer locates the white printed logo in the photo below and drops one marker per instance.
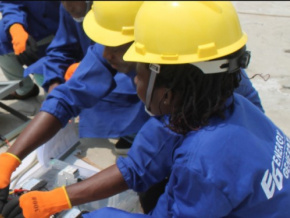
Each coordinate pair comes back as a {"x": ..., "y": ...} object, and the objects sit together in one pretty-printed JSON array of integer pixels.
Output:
[{"x": 281, "y": 159}]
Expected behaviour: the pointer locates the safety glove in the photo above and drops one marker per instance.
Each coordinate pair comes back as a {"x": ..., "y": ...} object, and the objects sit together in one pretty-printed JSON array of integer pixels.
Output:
[
  {"x": 70, "y": 71},
  {"x": 39, "y": 203},
  {"x": 12, "y": 209},
  {"x": 19, "y": 37},
  {"x": 24, "y": 45},
  {"x": 8, "y": 163},
  {"x": 30, "y": 55},
  {"x": 4, "y": 192}
]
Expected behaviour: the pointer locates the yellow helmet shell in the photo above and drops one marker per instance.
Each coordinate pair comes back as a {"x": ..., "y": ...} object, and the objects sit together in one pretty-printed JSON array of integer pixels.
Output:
[
  {"x": 176, "y": 32},
  {"x": 111, "y": 23}
]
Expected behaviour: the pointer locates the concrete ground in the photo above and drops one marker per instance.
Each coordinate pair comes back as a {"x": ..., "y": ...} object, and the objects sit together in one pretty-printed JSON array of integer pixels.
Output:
[
  {"x": 268, "y": 29},
  {"x": 267, "y": 26}
]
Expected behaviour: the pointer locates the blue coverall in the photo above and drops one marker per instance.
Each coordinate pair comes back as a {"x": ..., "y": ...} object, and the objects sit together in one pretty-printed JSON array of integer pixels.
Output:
[
  {"x": 105, "y": 100},
  {"x": 69, "y": 46},
  {"x": 103, "y": 113},
  {"x": 117, "y": 110},
  {"x": 237, "y": 167},
  {"x": 118, "y": 114},
  {"x": 40, "y": 20}
]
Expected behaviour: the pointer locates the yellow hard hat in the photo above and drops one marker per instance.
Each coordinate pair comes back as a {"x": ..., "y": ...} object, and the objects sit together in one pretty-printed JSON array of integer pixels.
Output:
[
  {"x": 176, "y": 32},
  {"x": 111, "y": 23}
]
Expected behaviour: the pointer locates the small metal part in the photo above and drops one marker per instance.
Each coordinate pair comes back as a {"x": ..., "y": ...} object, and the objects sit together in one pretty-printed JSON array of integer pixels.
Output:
[{"x": 67, "y": 176}]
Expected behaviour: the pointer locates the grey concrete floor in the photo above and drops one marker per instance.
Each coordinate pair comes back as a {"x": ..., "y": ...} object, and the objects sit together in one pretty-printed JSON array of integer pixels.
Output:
[{"x": 268, "y": 30}]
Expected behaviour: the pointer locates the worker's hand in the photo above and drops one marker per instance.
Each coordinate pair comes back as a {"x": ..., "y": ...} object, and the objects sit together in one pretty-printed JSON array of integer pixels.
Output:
[
  {"x": 8, "y": 163},
  {"x": 19, "y": 37},
  {"x": 43, "y": 203},
  {"x": 53, "y": 85},
  {"x": 4, "y": 192},
  {"x": 30, "y": 55},
  {"x": 12, "y": 209},
  {"x": 70, "y": 71}
]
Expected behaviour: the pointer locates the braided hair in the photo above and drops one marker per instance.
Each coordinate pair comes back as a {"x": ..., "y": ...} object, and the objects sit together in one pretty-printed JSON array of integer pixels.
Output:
[{"x": 200, "y": 96}]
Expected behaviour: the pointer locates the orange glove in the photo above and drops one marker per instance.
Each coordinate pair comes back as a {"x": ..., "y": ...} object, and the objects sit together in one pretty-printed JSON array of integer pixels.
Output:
[
  {"x": 19, "y": 38},
  {"x": 8, "y": 163},
  {"x": 70, "y": 71},
  {"x": 44, "y": 203}
]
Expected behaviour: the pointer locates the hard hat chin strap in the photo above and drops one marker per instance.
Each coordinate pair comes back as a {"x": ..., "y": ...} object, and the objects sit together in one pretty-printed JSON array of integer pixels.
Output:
[
  {"x": 154, "y": 68},
  {"x": 80, "y": 19}
]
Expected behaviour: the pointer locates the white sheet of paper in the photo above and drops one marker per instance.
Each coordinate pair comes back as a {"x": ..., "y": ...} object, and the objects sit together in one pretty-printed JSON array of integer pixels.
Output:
[{"x": 65, "y": 139}]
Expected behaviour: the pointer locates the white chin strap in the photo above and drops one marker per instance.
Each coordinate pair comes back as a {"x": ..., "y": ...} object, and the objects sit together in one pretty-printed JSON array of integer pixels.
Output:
[
  {"x": 80, "y": 19},
  {"x": 154, "y": 68},
  {"x": 149, "y": 112}
]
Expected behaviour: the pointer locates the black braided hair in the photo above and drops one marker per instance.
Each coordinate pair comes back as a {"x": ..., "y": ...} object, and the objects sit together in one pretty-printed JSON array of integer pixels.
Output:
[{"x": 201, "y": 96}]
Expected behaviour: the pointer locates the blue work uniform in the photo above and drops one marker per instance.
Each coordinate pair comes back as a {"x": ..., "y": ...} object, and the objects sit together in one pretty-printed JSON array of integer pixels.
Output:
[
  {"x": 105, "y": 112},
  {"x": 105, "y": 100},
  {"x": 69, "y": 46},
  {"x": 237, "y": 167},
  {"x": 39, "y": 19},
  {"x": 99, "y": 117},
  {"x": 106, "y": 109}
]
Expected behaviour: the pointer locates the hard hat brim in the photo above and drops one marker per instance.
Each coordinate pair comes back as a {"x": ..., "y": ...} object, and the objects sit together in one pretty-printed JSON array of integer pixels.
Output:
[
  {"x": 148, "y": 57},
  {"x": 102, "y": 35}
]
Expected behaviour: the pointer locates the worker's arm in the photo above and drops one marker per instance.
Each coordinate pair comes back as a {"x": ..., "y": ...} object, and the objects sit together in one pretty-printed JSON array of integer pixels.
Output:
[
  {"x": 104, "y": 184},
  {"x": 45, "y": 203},
  {"x": 13, "y": 12},
  {"x": 68, "y": 46},
  {"x": 40, "y": 129},
  {"x": 37, "y": 132}
]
